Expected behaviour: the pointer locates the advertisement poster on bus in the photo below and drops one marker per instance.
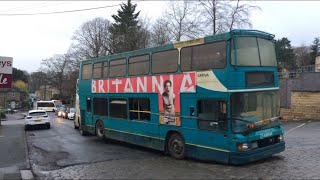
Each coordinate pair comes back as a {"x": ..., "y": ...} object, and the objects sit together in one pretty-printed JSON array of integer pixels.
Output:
[
  {"x": 168, "y": 88},
  {"x": 5, "y": 72}
]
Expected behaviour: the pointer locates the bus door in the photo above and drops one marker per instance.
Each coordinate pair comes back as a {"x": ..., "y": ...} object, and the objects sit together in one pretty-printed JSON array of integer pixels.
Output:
[{"x": 88, "y": 114}]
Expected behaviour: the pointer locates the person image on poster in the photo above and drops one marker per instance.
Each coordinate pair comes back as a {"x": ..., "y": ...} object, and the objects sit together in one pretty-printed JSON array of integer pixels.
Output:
[{"x": 168, "y": 101}]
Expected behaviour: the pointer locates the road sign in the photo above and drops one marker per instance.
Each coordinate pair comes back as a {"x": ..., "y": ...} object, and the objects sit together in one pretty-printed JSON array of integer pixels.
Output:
[{"x": 5, "y": 72}]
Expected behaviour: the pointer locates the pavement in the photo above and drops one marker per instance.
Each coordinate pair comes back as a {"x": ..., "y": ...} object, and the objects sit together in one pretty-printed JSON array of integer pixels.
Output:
[{"x": 14, "y": 161}]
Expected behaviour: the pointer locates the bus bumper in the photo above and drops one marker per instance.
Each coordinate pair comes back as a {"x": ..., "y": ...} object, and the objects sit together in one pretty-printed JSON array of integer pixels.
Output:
[{"x": 239, "y": 158}]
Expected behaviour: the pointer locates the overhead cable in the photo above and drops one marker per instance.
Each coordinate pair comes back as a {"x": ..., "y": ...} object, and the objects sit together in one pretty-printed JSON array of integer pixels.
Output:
[{"x": 57, "y": 12}]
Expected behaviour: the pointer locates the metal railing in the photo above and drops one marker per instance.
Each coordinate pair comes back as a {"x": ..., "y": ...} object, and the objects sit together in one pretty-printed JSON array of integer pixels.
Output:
[{"x": 296, "y": 73}]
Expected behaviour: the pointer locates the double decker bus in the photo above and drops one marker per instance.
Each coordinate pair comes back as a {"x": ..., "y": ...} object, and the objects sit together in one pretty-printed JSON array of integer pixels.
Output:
[{"x": 213, "y": 98}]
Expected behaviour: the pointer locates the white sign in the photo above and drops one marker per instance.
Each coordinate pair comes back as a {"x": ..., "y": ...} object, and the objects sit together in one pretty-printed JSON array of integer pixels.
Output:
[{"x": 5, "y": 65}]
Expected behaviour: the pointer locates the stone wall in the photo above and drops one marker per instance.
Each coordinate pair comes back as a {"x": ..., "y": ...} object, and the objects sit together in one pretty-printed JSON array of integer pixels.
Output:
[{"x": 304, "y": 106}]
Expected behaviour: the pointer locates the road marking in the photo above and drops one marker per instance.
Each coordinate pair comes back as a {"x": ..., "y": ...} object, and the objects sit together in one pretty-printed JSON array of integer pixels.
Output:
[
  {"x": 1, "y": 136},
  {"x": 297, "y": 127}
]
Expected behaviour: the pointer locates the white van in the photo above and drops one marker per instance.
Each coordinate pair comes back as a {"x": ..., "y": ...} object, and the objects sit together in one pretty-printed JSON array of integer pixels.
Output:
[
  {"x": 46, "y": 106},
  {"x": 77, "y": 117}
]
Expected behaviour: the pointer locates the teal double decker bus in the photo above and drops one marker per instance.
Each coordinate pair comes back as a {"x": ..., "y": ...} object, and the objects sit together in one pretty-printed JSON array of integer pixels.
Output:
[{"x": 214, "y": 98}]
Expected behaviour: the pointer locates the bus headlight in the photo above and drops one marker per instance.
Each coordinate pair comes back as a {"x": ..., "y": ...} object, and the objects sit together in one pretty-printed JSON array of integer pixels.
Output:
[
  {"x": 243, "y": 147},
  {"x": 280, "y": 138}
]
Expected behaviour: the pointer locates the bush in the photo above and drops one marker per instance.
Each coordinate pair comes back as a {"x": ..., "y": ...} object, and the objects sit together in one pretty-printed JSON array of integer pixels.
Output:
[{"x": 2, "y": 112}]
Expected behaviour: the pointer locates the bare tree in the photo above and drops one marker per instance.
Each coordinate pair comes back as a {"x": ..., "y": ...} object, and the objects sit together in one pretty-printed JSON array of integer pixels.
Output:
[
  {"x": 214, "y": 12},
  {"x": 183, "y": 19},
  {"x": 224, "y": 15},
  {"x": 240, "y": 15},
  {"x": 91, "y": 40},
  {"x": 160, "y": 33},
  {"x": 144, "y": 33},
  {"x": 35, "y": 80},
  {"x": 303, "y": 55},
  {"x": 55, "y": 70}
]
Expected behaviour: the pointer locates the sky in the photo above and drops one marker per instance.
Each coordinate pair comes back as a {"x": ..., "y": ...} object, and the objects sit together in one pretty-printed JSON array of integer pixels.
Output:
[{"x": 29, "y": 39}]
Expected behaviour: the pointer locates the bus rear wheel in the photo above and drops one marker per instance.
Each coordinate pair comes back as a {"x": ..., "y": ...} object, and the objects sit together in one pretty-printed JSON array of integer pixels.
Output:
[
  {"x": 176, "y": 146},
  {"x": 100, "y": 130}
]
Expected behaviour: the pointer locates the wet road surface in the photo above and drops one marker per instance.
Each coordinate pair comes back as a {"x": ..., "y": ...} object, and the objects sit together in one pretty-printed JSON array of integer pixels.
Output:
[{"x": 62, "y": 153}]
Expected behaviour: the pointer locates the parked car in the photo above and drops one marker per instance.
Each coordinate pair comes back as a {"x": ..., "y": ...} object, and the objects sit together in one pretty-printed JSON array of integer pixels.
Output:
[
  {"x": 62, "y": 112},
  {"x": 11, "y": 111},
  {"x": 36, "y": 117},
  {"x": 71, "y": 113}
]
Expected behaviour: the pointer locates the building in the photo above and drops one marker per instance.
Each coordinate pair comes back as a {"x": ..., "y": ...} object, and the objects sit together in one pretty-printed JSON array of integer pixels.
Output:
[
  {"x": 317, "y": 64},
  {"x": 11, "y": 98},
  {"x": 46, "y": 92}
]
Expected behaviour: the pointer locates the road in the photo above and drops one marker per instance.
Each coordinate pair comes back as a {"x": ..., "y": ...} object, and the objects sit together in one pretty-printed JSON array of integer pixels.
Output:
[{"x": 62, "y": 153}]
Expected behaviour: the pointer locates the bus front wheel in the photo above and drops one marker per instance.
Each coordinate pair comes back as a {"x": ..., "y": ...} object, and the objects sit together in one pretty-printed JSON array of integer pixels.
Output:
[
  {"x": 176, "y": 146},
  {"x": 100, "y": 130}
]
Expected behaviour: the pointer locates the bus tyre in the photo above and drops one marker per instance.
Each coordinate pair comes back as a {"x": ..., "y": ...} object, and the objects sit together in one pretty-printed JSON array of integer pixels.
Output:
[
  {"x": 100, "y": 130},
  {"x": 176, "y": 146}
]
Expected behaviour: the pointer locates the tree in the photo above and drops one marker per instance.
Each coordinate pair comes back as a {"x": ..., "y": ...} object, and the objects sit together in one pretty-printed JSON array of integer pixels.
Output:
[
  {"x": 303, "y": 55},
  {"x": 160, "y": 34},
  {"x": 35, "y": 80},
  {"x": 285, "y": 53},
  {"x": 127, "y": 34},
  {"x": 183, "y": 20},
  {"x": 55, "y": 70},
  {"x": 315, "y": 50},
  {"x": 240, "y": 13},
  {"x": 91, "y": 40},
  {"x": 21, "y": 85},
  {"x": 18, "y": 74},
  {"x": 224, "y": 15}
]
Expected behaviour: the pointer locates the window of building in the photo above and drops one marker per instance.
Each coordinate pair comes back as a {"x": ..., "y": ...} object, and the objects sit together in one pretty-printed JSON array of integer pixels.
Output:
[
  {"x": 97, "y": 70},
  {"x": 139, "y": 65},
  {"x": 206, "y": 56},
  {"x": 88, "y": 104},
  {"x": 86, "y": 71},
  {"x": 100, "y": 106},
  {"x": 118, "y": 108},
  {"x": 212, "y": 115},
  {"x": 165, "y": 62},
  {"x": 118, "y": 68},
  {"x": 105, "y": 69},
  {"x": 139, "y": 109}
]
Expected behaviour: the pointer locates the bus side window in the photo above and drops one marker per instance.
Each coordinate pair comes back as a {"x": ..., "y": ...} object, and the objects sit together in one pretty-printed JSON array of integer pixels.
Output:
[
  {"x": 86, "y": 71},
  {"x": 118, "y": 108},
  {"x": 100, "y": 106},
  {"x": 212, "y": 115},
  {"x": 88, "y": 104},
  {"x": 139, "y": 109}
]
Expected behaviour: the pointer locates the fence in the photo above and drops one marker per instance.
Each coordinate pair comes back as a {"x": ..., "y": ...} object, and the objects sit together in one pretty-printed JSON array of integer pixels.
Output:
[{"x": 307, "y": 79}]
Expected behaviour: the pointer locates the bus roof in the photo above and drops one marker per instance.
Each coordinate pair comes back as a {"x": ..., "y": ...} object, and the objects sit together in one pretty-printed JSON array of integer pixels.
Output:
[{"x": 213, "y": 38}]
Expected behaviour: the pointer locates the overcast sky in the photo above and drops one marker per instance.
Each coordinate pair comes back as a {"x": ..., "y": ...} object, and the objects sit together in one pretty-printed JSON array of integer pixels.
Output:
[{"x": 29, "y": 39}]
